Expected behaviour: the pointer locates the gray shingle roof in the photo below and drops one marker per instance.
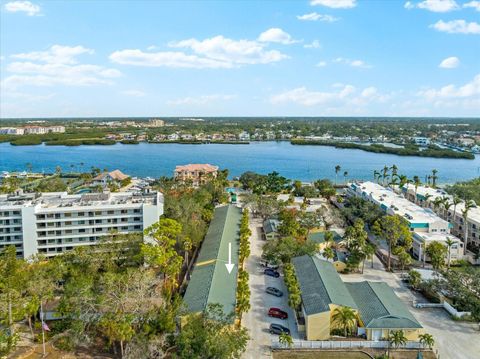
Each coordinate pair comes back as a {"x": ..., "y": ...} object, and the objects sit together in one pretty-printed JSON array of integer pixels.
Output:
[
  {"x": 271, "y": 225},
  {"x": 210, "y": 282},
  {"x": 320, "y": 285},
  {"x": 379, "y": 306}
]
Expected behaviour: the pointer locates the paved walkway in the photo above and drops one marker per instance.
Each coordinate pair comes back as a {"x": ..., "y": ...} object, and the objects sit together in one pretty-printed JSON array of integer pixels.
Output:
[{"x": 453, "y": 339}]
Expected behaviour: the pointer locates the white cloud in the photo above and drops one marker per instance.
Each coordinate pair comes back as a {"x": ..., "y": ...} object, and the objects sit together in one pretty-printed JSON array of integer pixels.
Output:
[
  {"x": 23, "y": 6},
  {"x": 57, "y": 54},
  {"x": 473, "y": 4},
  {"x": 321, "y": 64},
  {"x": 434, "y": 5},
  {"x": 56, "y": 66},
  {"x": 315, "y": 44},
  {"x": 314, "y": 16},
  {"x": 277, "y": 35},
  {"x": 302, "y": 96},
  {"x": 469, "y": 90},
  {"x": 335, "y": 4},
  {"x": 457, "y": 27},
  {"x": 450, "y": 63},
  {"x": 200, "y": 100},
  {"x": 133, "y": 93},
  {"x": 215, "y": 52},
  {"x": 353, "y": 63},
  {"x": 152, "y": 47}
]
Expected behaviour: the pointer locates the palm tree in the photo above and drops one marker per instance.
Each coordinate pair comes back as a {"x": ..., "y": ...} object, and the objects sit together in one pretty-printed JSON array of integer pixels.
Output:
[
  {"x": 403, "y": 180},
  {"x": 426, "y": 198},
  {"x": 385, "y": 174},
  {"x": 345, "y": 318},
  {"x": 427, "y": 340},
  {"x": 337, "y": 170},
  {"x": 456, "y": 200},
  {"x": 328, "y": 253},
  {"x": 434, "y": 178},
  {"x": 376, "y": 175},
  {"x": 285, "y": 339},
  {"x": 394, "y": 169},
  {"x": 469, "y": 204},
  {"x": 449, "y": 242},
  {"x": 416, "y": 183},
  {"x": 446, "y": 205},
  {"x": 345, "y": 174},
  {"x": 437, "y": 202},
  {"x": 397, "y": 339},
  {"x": 394, "y": 182}
]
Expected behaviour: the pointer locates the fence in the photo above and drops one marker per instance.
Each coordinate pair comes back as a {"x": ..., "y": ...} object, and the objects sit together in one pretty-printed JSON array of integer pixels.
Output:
[
  {"x": 450, "y": 309},
  {"x": 341, "y": 344}
]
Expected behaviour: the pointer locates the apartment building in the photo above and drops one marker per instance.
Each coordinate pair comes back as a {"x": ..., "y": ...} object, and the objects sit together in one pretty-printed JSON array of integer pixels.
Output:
[
  {"x": 52, "y": 223},
  {"x": 426, "y": 225},
  {"x": 12, "y": 131},
  {"x": 426, "y": 196},
  {"x": 197, "y": 174}
]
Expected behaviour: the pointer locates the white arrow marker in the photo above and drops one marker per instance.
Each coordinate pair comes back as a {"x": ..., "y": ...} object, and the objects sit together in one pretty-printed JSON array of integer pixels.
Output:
[{"x": 229, "y": 265}]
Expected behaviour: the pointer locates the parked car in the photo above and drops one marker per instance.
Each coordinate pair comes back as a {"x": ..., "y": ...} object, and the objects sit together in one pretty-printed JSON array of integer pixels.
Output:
[
  {"x": 278, "y": 329},
  {"x": 274, "y": 291},
  {"x": 267, "y": 264},
  {"x": 271, "y": 272},
  {"x": 277, "y": 313}
]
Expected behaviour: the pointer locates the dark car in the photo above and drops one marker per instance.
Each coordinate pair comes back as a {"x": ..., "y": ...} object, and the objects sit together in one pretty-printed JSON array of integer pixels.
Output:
[
  {"x": 278, "y": 329},
  {"x": 271, "y": 272},
  {"x": 277, "y": 313},
  {"x": 267, "y": 264},
  {"x": 274, "y": 291}
]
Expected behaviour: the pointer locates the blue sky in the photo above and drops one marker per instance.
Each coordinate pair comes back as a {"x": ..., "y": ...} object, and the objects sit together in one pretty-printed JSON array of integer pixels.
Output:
[{"x": 240, "y": 58}]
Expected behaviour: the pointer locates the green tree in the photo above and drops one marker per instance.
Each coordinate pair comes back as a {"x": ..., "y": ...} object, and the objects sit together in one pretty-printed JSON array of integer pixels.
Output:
[
  {"x": 329, "y": 253},
  {"x": 427, "y": 340},
  {"x": 345, "y": 318},
  {"x": 449, "y": 242},
  {"x": 397, "y": 338},
  {"x": 337, "y": 170},
  {"x": 12, "y": 281},
  {"x": 286, "y": 340},
  {"x": 395, "y": 231},
  {"x": 414, "y": 278},
  {"x": 437, "y": 252},
  {"x": 210, "y": 335},
  {"x": 404, "y": 258},
  {"x": 243, "y": 293},
  {"x": 163, "y": 254}
]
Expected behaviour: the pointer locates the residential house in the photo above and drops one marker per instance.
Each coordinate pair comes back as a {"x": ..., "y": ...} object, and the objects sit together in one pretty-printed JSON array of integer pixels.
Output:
[
  {"x": 379, "y": 311},
  {"x": 103, "y": 179},
  {"x": 270, "y": 228}
]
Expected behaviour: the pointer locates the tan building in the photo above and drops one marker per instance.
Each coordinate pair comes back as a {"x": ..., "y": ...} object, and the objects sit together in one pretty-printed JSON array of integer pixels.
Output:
[
  {"x": 156, "y": 123},
  {"x": 379, "y": 311},
  {"x": 197, "y": 174}
]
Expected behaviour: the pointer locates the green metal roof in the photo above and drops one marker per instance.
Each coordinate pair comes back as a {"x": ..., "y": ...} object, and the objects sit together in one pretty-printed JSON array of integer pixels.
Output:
[
  {"x": 319, "y": 237},
  {"x": 320, "y": 285},
  {"x": 210, "y": 282},
  {"x": 379, "y": 306}
]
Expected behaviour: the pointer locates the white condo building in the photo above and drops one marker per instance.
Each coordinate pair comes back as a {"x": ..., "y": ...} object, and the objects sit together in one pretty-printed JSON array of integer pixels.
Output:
[
  {"x": 423, "y": 222},
  {"x": 426, "y": 196},
  {"x": 52, "y": 223}
]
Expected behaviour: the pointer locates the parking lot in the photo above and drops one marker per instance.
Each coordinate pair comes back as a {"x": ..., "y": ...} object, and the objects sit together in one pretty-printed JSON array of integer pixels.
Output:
[{"x": 256, "y": 320}]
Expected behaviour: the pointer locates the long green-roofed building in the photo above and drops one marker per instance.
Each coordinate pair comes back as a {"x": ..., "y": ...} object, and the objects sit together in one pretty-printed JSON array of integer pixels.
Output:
[{"x": 210, "y": 282}]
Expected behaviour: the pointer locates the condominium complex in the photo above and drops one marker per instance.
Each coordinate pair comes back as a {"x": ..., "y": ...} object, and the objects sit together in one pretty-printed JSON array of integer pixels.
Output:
[
  {"x": 52, "y": 223},
  {"x": 31, "y": 130},
  {"x": 425, "y": 224},
  {"x": 426, "y": 196},
  {"x": 197, "y": 173}
]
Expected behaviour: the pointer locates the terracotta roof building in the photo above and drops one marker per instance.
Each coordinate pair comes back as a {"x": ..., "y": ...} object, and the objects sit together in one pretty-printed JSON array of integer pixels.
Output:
[{"x": 197, "y": 173}]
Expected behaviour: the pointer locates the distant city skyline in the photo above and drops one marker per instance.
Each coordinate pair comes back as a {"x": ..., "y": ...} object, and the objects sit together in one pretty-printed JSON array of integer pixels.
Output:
[{"x": 214, "y": 58}]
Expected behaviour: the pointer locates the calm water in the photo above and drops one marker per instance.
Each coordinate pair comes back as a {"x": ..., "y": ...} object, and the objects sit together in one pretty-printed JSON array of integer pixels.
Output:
[{"x": 298, "y": 162}]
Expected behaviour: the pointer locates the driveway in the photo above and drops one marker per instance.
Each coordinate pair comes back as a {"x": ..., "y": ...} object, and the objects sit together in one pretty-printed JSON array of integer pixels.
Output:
[
  {"x": 256, "y": 320},
  {"x": 453, "y": 339}
]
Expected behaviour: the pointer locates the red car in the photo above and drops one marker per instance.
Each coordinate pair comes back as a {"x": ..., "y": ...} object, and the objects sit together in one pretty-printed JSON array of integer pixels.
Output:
[{"x": 277, "y": 313}]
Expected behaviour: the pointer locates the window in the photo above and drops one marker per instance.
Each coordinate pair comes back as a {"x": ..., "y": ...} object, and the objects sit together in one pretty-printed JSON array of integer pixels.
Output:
[
  {"x": 81, "y": 214},
  {"x": 81, "y": 230},
  {"x": 68, "y": 223},
  {"x": 111, "y": 212},
  {"x": 98, "y": 213},
  {"x": 68, "y": 214}
]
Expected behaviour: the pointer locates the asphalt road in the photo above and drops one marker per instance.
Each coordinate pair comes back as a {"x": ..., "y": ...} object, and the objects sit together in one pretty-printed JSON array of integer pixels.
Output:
[{"x": 256, "y": 320}]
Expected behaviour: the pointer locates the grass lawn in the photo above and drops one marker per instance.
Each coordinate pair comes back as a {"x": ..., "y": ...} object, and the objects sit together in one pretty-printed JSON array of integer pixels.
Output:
[{"x": 287, "y": 354}]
